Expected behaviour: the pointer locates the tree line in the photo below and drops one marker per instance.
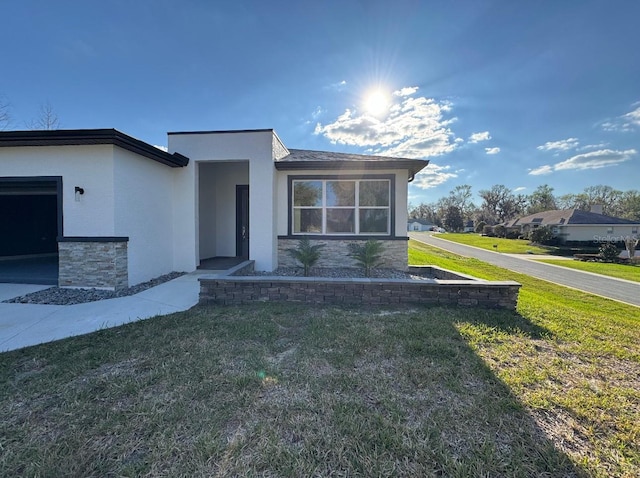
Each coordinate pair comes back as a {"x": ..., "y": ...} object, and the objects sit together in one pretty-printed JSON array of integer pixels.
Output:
[{"x": 500, "y": 204}]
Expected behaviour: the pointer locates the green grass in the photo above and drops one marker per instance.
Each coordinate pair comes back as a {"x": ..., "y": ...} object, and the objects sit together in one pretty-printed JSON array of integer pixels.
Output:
[
  {"x": 294, "y": 390},
  {"x": 509, "y": 246},
  {"x": 619, "y": 271}
]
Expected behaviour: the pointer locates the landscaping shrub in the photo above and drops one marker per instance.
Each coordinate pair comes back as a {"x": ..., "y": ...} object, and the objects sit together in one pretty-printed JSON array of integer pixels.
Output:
[
  {"x": 488, "y": 231},
  {"x": 368, "y": 255},
  {"x": 307, "y": 254},
  {"x": 609, "y": 252},
  {"x": 542, "y": 235},
  {"x": 500, "y": 230}
]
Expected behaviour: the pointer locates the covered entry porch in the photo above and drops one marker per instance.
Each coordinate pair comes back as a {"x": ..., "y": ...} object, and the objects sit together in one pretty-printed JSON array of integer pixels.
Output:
[{"x": 223, "y": 213}]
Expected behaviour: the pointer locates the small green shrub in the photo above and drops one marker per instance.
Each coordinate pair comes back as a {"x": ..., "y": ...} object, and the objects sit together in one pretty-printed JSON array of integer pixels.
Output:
[
  {"x": 307, "y": 254},
  {"x": 608, "y": 252},
  {"x": 368, "y": 255},
  {"x": 499, "y": 230},
  {"x": 541, "y": 235}
]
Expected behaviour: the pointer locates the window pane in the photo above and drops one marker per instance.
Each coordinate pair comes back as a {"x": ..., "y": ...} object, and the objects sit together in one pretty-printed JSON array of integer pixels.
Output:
[
  {"x": 341, "y": 193},
  {"x": 374, "y": 221},
  {"x": 307, "y": 221},
  {"x": 341, "y": 220},
  {"x": 374, "y": 193},
  {"x": 307, "y": 193}
]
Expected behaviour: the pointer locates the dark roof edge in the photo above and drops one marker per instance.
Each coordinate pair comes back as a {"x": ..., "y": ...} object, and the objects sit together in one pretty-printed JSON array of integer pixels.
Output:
[
  {"x": 413, "y": 165},
  {"x": 265, "y": 130},
  {"x": 75, "y": 137}
]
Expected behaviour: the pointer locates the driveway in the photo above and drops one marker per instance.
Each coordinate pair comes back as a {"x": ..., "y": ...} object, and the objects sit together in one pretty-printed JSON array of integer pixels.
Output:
[
  {"x": 22, "y": 325},
  {"x": 616, "y": 289}
]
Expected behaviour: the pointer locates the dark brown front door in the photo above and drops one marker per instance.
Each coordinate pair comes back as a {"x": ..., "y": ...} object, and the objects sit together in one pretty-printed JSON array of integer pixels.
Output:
[{"x": 242, "y": 221}]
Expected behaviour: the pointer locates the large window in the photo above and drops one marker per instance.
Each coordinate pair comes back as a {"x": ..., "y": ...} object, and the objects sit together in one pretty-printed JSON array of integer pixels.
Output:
[{"x": 341, "y": 206}]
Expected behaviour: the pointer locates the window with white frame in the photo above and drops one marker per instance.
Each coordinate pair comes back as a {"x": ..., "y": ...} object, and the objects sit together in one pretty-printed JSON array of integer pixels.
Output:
[{"x": 341, "y": 206}]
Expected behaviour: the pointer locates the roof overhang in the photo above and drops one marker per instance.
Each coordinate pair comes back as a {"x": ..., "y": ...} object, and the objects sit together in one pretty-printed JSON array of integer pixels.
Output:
[
  {"x": 91, "y": 137},
  {"x": 411, "y": 165}
]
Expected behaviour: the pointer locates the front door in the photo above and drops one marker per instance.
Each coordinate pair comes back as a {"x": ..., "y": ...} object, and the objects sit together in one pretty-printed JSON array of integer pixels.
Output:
[{"x": 242, "y": 221}]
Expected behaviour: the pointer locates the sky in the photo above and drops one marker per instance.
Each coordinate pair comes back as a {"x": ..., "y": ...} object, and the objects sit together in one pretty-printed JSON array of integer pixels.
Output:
[{"x": 519, "y": 93}]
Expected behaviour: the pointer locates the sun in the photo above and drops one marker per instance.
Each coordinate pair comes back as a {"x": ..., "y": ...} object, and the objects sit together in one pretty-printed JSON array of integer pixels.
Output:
[{"x": 376, "y": 102}]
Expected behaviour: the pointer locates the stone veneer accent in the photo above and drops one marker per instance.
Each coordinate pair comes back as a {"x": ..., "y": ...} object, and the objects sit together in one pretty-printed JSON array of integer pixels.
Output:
[
  {"x": 335, "y": 253},
  {"x": 96, "y": 262},
  {"x": 464, "y": 291}
]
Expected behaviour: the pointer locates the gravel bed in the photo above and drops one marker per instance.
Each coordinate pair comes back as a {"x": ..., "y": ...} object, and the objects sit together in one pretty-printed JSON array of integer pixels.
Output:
[
  {"x": 341, "y": 273},
  {"x": 62, "y": 296}
]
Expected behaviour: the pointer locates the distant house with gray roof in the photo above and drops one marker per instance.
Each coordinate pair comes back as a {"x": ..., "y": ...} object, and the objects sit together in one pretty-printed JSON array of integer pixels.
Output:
[{"x": 570, "y": 225}]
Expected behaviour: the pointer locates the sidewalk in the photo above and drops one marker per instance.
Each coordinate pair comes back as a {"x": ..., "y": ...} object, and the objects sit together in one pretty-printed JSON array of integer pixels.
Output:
[{"x": 22, "y": 325}]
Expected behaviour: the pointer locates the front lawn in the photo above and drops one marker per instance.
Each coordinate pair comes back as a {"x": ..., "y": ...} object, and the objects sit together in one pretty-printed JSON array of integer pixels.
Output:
[
  {"x": 619, "y": 271},
  {"x": 295, "y": 390},
  {"x": 509, "y": 246}
]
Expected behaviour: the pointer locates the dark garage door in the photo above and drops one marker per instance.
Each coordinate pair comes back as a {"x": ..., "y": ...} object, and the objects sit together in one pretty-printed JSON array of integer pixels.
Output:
[{"x": 30, "y": 222}]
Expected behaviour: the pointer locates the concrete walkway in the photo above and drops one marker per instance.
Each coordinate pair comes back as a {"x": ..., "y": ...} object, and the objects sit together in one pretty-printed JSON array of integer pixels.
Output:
[
  {"x": 22, "y": 325},
  {"x": 604, "y": 286}
]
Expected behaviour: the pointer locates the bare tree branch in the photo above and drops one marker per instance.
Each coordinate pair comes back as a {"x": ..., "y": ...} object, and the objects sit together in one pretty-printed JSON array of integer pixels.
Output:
[{"x": 47, "y": 120}]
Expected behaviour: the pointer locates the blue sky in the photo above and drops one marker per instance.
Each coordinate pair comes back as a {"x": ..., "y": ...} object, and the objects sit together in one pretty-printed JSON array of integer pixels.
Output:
[{"x": 520, "y": 93}]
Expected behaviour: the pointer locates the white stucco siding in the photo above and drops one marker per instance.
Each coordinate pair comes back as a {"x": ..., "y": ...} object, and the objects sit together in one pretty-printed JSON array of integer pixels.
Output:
[
  {"x": 598, "y": 233},
  {"x": 88, "y": 167},
  {"x": 255, "y": 147},
  {"x": 144, "y": 213},
  {"x": 401, "y": 190}
]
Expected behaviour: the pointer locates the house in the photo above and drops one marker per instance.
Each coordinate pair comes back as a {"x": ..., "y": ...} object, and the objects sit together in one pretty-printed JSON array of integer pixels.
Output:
[
  {"x": 118, "y": 211},
  {"x": 469, "y": 226},
  {"x": 575, "y": 225},
  {"x": 419, "y": 225}
]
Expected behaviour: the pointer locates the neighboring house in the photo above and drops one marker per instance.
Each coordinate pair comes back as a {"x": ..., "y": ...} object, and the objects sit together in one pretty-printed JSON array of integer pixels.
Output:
[
  {"x": 420, "y": 225},
  {"x": 469, "y": 226},
  {"x": 571, "y": 225},
  {"x": 119, "y": 211}
]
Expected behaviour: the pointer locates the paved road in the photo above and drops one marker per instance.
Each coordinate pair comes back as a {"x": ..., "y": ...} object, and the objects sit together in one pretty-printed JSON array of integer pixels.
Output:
[{"x": 617, "y": 289}]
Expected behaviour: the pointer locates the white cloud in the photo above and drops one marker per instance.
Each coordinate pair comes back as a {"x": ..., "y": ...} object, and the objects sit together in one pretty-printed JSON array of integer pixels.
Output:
[
  {"x": 414, "y": 127},
  {"x": 406, "y": 91},
  {"x": 339, "y": 86},
  {"x": 562, "y": 145},
  {"x": 546, "y": 169},
  {"x": 477, "y": 137},
  {"x": 433, "y": 175},
  {"x": 519, "y": 188},
  {"x": 495, "y": 150},
  {"x": 163, "y": 148},
  {"x": 627, "y": 122},
  {"x": 592, "y": 160},
  {"x": 593, "y": 146}
]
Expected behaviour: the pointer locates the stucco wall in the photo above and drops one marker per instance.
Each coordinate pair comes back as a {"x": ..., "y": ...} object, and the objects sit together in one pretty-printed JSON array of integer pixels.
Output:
[
  {"x": 143, "y": 212},
  {"x": 252, "y": 146},
  {"x": 577, "y": 232},
  {"x": 90, "y": 167}
]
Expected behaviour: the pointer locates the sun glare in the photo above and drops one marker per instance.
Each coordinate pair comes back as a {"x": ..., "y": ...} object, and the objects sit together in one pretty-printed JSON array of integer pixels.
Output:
[{"x": 376, "y": 102}]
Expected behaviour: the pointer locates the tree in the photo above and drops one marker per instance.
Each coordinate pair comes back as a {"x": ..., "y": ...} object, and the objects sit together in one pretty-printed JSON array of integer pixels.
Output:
[
  {"x": 452, "y": 219},
  {"x": 605, "y": 196},
  {"x": 500, "y": 204},
  {"x": 629, "y": 205},
  {"x": 542, "y": 199},
  {"x": 47, "y": 120},
  {"x": 426, "y": 212}
]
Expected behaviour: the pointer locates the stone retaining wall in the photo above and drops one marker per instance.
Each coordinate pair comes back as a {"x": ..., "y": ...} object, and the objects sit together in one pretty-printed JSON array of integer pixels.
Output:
[
  {"x": 229, "y": 289},
  {"x": 93, "y": 262},
  {"x": 335, "y": 253}
]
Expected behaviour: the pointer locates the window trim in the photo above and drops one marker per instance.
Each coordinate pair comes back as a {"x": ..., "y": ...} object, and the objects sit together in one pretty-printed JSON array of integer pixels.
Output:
[{"x": 345, "y": 177}]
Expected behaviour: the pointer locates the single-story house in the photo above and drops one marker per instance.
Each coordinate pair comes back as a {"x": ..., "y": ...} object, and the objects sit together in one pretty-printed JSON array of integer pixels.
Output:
[
  {"x": 571, "y": 225},
  {"x": 119, "y": 211},
  {"x": 420, "y": 225}
]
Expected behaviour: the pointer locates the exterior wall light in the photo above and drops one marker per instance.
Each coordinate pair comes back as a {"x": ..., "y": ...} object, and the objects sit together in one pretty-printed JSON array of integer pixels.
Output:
[{"x": 79, "y": 192}]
